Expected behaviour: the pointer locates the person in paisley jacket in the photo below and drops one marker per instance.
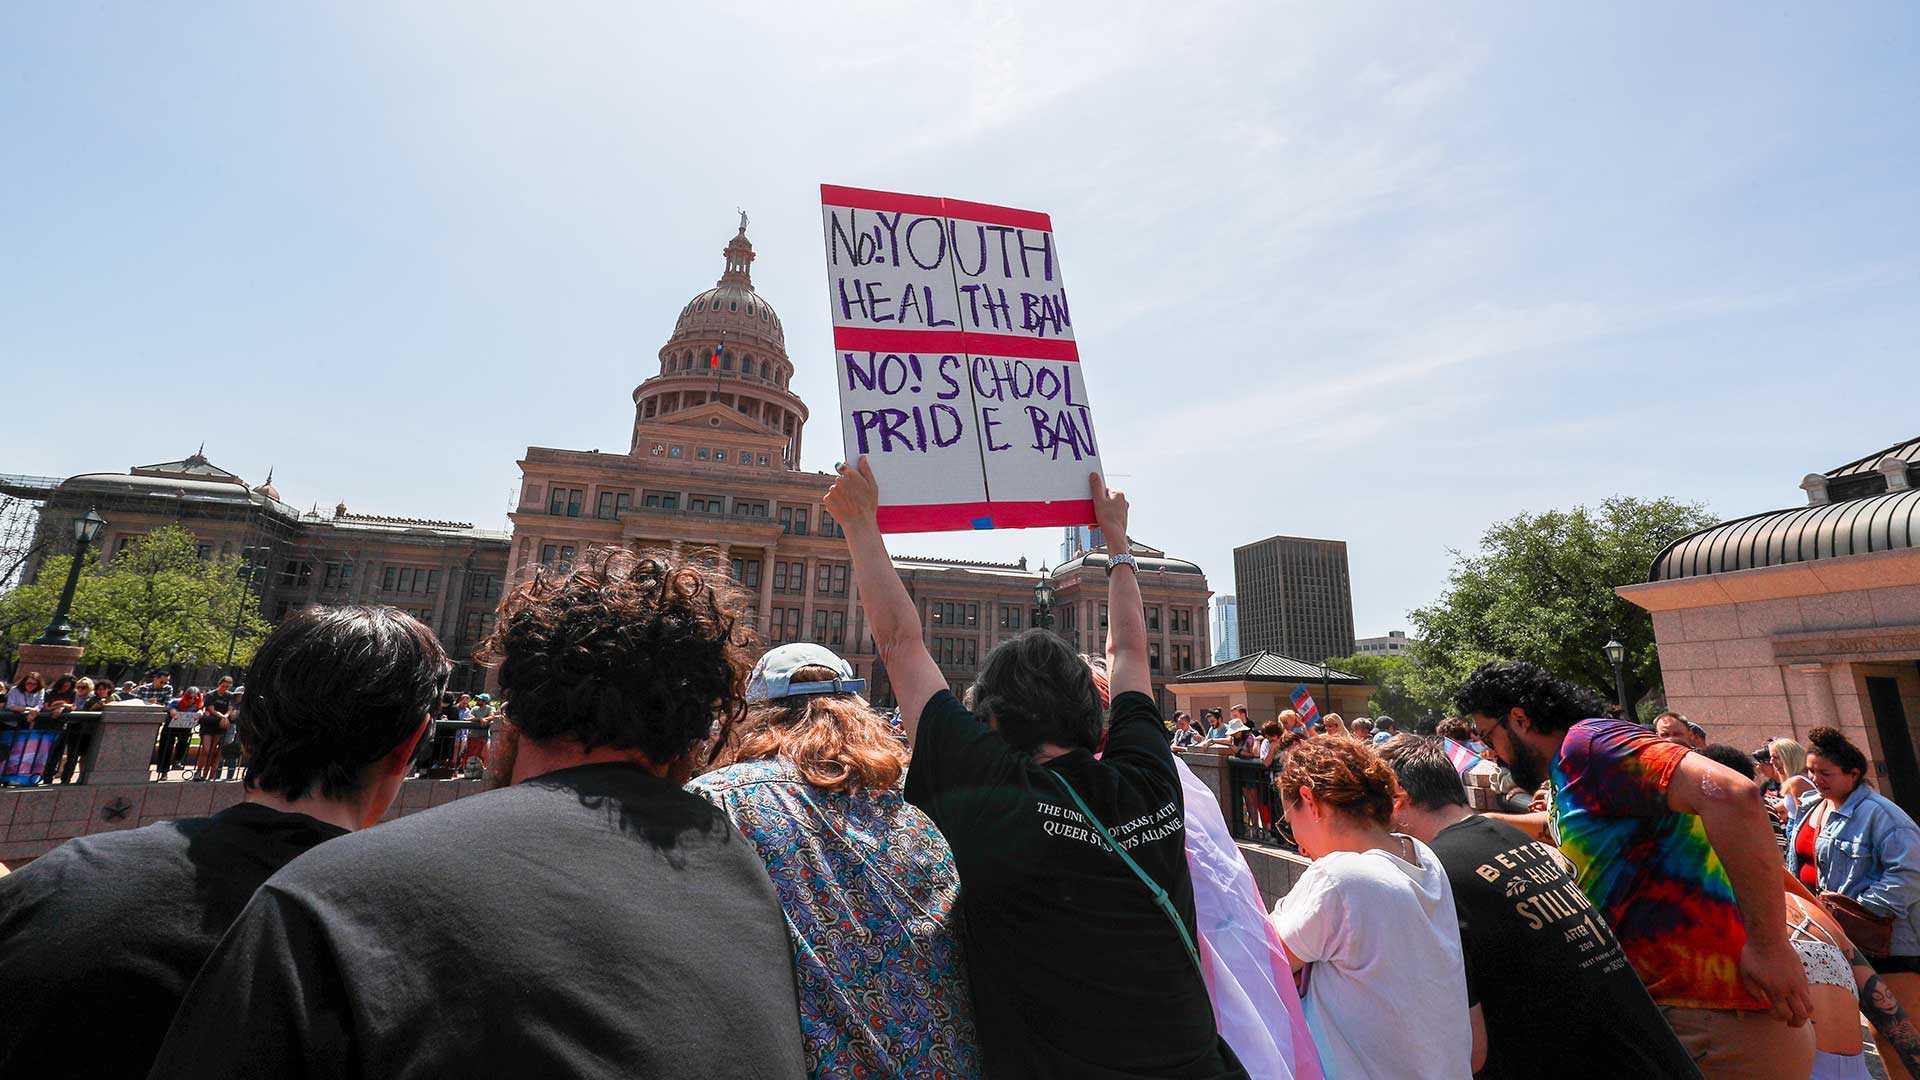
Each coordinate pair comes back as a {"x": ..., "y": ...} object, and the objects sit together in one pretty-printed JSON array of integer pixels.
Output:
[{"x": 811, "y": 776}]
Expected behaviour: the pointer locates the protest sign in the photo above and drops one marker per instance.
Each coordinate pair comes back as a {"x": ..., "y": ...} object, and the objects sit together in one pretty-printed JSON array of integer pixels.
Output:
[{"x": 959, "y": 378}]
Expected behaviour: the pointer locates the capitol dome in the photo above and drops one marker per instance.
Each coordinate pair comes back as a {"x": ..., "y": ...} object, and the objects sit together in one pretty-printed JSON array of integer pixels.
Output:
[
  {"x": 731, "y": 310},
  {"x": 727, "y": 348}
]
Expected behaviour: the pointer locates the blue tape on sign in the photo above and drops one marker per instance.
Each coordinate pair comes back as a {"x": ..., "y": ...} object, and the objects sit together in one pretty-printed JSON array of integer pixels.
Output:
[{"x": 983, "y": 523}]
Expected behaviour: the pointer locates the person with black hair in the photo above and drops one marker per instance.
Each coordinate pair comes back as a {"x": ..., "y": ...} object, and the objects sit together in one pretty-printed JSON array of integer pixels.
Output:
[
  {"x": 1551, "y": 981},
  {"x": 117, "y": 923},
  {"x": 1675, "y": 850},
  {"x": 585, "y": 918},
  {"x": 1860, "y": 853},
  {"x": 1074, "y": 885}
]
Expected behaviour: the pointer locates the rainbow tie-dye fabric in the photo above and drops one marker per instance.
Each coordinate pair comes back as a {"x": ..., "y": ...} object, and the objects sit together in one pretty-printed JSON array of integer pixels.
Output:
[{"x": 1649, "y": 870}]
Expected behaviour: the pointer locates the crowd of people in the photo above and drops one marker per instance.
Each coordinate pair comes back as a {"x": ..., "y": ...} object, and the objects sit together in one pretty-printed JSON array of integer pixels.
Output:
[{"x": 693, "y": 863}]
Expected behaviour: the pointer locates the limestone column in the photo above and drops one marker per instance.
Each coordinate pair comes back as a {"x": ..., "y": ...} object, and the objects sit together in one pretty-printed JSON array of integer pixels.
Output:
[
  {"x": 812, "y": 582},
  {"x": 1819, "y": 689},
  {"x": 766, "y": 592}
]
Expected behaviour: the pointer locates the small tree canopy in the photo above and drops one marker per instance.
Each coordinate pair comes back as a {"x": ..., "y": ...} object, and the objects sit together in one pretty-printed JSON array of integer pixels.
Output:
[
  {"x": 1540, "y": 589},
  {"x": 157, "y": 604},
  {"x": 1396, "y": 696}
]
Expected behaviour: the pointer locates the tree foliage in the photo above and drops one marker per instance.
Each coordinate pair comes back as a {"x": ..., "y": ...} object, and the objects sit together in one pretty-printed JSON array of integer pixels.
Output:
[
  {"x": 1540, "y": 589},
  {"x": 158, "y": 603},
  {"x": 1397, "y": 695}
]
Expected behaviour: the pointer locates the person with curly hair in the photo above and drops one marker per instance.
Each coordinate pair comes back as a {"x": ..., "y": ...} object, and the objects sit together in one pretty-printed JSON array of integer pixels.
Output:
[
  {"x": 1859, "y": 852},
  {"x": 590, "y": 919},
  {"x": 1075, "y": 890},
  {"x": 118, "y": 923},
  {"x": 1373, "y": 923},
  {"x": 811, "y": 776},
  {"x": 1675, "y": 851}
]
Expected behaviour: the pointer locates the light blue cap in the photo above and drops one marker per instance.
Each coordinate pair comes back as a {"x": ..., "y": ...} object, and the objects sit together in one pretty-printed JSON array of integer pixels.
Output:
[{"x": 773, "y": 676}]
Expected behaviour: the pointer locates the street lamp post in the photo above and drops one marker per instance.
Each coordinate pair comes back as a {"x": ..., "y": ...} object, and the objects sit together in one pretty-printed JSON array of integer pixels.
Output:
[
  {"x": 1326, "y": 686},
  {"x": 1043, "y": 597},
  {"x": 1617, "y": 656},
  {"x": 86, "y": 529}
]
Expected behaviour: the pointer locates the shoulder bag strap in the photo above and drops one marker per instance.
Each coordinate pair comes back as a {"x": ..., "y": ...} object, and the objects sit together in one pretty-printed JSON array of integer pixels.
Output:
[{"x": 1160, "y": 898}]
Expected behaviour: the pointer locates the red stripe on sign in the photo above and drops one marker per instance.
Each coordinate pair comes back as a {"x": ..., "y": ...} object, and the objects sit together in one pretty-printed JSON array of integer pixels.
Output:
[
  {"x": 998, "y": 215},
  {"x": 953, "y": 517},
  {"x": 869, "y": 339},
  {"x": 868, "y": 199},
  {"x": 864, "y": 199},
  {"x": 1030, "y": 348}
]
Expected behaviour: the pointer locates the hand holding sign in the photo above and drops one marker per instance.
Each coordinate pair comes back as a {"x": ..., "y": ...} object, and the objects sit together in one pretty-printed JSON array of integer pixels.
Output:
[
  {"x": 1110, "y": 513},
  {"x": 854, "y": 499},
  {"x": 956, "y": 361}
]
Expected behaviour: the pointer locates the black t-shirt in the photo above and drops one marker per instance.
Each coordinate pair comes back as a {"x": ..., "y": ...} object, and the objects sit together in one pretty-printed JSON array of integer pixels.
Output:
[
  {"x": 219, "y": 702},
  {"x": 1075, "y": 971},
  {"x": 597, "y": 921},
  {"x": 1557, "y": 992},
  {"x": 100, "y": 937}
]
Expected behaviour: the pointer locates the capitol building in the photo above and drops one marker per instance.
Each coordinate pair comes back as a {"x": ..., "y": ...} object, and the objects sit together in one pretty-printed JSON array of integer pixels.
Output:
[{"x": 711, "y": 471}]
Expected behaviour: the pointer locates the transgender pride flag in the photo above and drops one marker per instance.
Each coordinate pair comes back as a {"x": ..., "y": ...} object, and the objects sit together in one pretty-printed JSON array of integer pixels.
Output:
[
  {"x": 1463, "y": 759},
  {"x": 1303, "y": 704}
]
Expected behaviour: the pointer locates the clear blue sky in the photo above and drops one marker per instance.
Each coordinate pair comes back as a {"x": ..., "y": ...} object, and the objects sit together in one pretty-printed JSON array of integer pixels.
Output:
[{"x": 1352, "y": 270}]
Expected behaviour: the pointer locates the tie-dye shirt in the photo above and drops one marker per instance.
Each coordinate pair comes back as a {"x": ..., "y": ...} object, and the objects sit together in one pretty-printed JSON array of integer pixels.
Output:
[{"x": 1650, "y": 870}]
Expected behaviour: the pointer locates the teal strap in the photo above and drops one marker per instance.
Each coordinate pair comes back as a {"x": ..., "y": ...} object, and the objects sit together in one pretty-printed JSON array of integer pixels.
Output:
[{"x": 1160, "y": 898}]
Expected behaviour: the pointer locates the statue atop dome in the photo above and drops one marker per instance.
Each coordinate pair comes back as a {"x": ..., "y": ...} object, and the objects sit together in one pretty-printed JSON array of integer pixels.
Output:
[{"x": 743, "y": 221}]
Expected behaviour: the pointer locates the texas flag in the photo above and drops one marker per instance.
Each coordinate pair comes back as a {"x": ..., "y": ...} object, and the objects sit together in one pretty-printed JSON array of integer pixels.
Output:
[
  {"x": 1303, "y": 704},
  {"x": 714, "y": 360}
]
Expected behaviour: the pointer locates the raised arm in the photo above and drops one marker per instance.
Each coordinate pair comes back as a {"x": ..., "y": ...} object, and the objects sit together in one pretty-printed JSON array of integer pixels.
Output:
[
  {"x": 1126, "y": 615},
  {"x": 892, "y": 619}
]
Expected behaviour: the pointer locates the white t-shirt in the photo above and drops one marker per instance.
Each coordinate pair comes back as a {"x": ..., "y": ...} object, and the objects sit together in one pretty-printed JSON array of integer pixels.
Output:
[{"x": 1387, "y": 990}]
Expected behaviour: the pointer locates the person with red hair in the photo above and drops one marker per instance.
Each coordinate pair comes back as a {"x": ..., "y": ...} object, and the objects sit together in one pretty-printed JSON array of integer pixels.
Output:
[{"x": 1374, "y": 923}]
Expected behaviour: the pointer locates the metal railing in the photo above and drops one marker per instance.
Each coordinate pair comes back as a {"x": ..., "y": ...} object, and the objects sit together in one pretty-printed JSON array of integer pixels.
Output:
[
  {"x": 46, "y": 754},
  {"x": 1254, "y": 806}
]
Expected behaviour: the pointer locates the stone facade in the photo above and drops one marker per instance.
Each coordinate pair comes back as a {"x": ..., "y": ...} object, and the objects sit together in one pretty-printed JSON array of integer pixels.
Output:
[
  {"x": 446, "y": 573},
  {"x": 1779, "y": 650},
  {"x": 1807, "y": 617},
  {"x": 34, "y": 821}
]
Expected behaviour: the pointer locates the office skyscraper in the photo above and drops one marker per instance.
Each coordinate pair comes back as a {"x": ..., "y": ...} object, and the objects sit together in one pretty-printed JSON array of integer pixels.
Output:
[{"x": 1294, "y": 597}]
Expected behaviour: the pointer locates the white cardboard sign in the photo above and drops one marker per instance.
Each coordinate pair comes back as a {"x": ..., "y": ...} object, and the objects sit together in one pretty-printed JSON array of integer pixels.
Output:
[{"x": 959, "y": 378}]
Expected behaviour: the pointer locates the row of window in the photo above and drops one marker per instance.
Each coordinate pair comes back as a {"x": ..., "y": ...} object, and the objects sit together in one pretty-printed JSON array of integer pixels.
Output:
[
  {"x": 337, "y": 575},
  {"x": 748, "y": 366},
  {"x": 794, "y": 520},
  {"x": 956, "y": 652},
  {"x": 784, "y": 624}
]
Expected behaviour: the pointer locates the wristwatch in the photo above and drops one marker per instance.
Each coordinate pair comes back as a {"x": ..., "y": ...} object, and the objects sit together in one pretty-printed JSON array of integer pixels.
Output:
[{"x": 1122, "y": 559}]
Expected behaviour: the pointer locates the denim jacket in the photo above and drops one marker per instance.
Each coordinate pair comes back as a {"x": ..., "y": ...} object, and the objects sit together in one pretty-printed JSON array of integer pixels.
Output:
[{"x": 1869, "y": 851}]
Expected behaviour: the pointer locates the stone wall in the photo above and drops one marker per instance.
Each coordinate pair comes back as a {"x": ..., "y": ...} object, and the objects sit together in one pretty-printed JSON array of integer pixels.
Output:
[
  {"x": 1754, "y": 654},
  {"x": 34, "y": 821}
]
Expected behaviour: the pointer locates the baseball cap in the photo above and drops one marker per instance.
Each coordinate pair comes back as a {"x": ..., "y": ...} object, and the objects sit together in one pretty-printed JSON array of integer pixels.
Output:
[{"x": 773, "y": 675}]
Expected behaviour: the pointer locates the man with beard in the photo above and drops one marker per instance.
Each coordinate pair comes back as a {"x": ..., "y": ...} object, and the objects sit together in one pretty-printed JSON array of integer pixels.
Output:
[
  {"x": 589, "y": 919},
  {"x": 1675, "y": 850}
]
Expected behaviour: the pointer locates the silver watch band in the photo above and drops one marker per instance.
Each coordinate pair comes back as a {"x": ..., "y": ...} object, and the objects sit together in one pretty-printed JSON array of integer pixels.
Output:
[{"x": 1122, "y": 559}]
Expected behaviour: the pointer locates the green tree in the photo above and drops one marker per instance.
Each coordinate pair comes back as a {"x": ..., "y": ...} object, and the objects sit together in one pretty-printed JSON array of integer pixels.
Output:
[
  {"x": 1540, "y": 589},
  {"x": 1396, "y": 695},
  {"x": 157, "y": 603}
]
